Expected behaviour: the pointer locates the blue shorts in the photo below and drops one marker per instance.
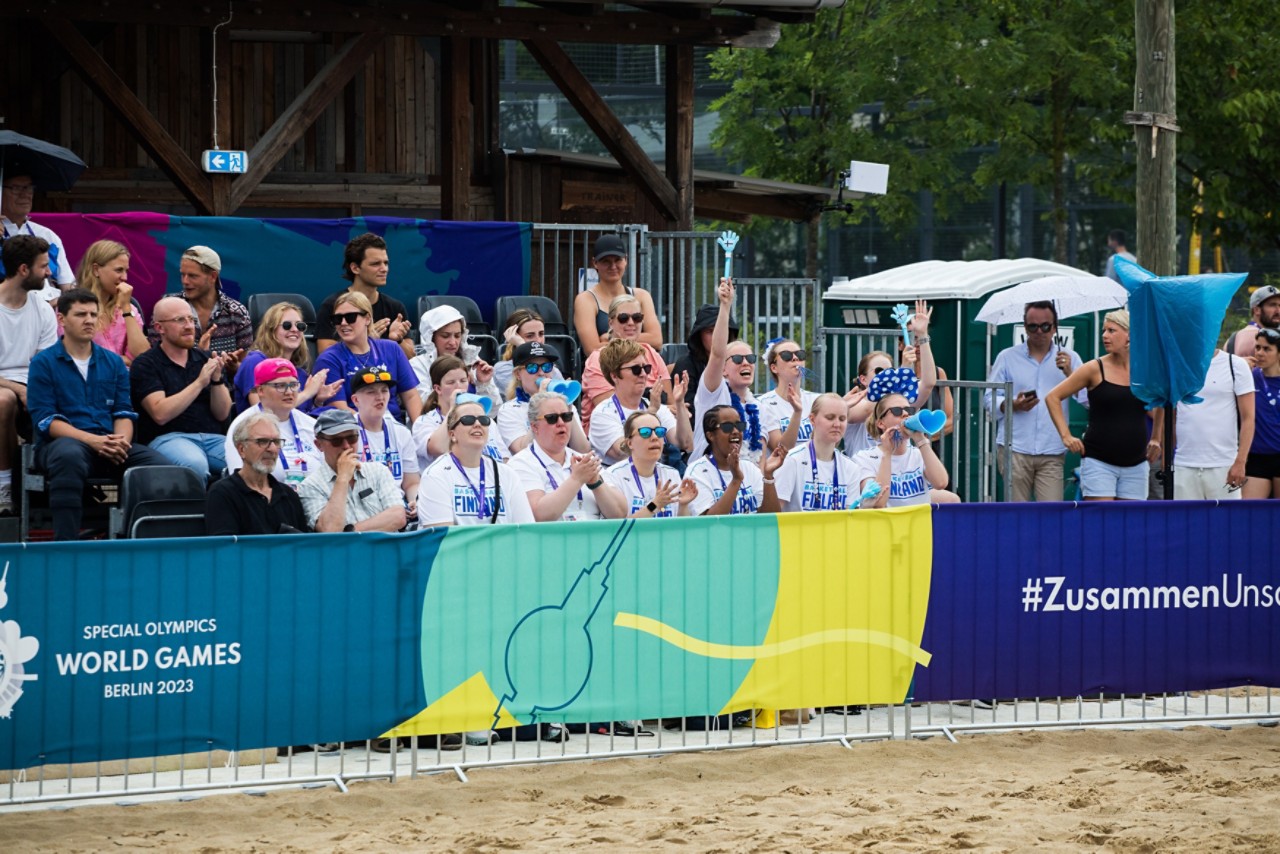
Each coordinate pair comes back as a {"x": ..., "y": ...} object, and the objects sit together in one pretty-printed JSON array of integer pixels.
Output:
[{"x": 1103, "y": 480}]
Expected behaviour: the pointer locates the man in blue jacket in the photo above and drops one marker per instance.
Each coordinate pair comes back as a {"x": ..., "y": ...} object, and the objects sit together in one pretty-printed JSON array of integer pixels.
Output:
[{"x": 79, "y": 400}]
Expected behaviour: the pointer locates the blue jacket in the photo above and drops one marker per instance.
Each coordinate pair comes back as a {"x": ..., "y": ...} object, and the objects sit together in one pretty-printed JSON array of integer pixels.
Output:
[{"x": 55, "y": 390}]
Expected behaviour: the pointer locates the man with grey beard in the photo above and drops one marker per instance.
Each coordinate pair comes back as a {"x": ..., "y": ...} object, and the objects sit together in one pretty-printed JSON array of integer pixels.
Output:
[{"x": 251, "y": 501}]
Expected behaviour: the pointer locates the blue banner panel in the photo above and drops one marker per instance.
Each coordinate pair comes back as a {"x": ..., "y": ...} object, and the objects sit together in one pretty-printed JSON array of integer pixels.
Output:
[
  {"x": 149, "y": 648},
  {"x": 1047, "y": 600}
]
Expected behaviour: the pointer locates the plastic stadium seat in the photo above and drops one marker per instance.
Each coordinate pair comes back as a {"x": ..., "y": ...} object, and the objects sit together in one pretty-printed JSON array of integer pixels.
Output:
[
  {"x": 149, "y": 491},
  {"x": 559, "y": 335},
  {"x": 673, "y": 352},
  {"x": 259, "y": 303},
  {"x": 168, "y": 526}
]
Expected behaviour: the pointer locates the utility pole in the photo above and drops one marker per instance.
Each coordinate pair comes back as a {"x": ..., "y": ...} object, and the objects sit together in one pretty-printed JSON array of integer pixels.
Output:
[{"x": 1155, "y": 126}]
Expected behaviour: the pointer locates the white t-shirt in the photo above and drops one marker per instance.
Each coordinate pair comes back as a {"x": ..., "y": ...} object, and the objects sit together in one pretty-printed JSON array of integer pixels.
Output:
[
  {"x": 427, "y": 424},
  {"x": 607, "y": 420},
  {"x": 1207, "y": 433},
  {"x": 513, "y": 421},
  {"x": 539, "y": 472},
  {"x": 23, "y": 333},
  {"x": 450, "y": 494},
  {"x": 82, "y": 365},
  {"x": 712, "y": 483},
  {"x": 298, "y": 454},
  {"x": 641, "y": 490},
  {"x": 907, "y": 483},
  {"x": 65, "y": 274},
  {"x": 857, "y": 439},
  {"x": 776, "y": 412},
  {"x": 806, "y": 483},
  {"x": 393, "y": 447},
  {"x": 705, "y": 400}
]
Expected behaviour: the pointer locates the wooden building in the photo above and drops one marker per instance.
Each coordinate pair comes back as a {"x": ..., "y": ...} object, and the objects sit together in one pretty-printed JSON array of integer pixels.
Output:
[{"x": 349, "y": 108}]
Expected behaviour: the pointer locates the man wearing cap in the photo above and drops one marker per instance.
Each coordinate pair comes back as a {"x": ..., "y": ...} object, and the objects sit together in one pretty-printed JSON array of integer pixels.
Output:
[
  {"x": 591, "y": 307},
  {"x": 222, "y": 324},
  {"x": 252, "y": 501},
  {"x": 276, "y": 384},
  {"x": 1264, "y": 305},
  {"x": 382, "y": 438},
  {"x": 79, "y": 399},
  {"x": 343, "y": 494},
  {"x": 181, "y": 392},
  {"x": 15, "y": 209},
  {"x": 365, "y": 265}
]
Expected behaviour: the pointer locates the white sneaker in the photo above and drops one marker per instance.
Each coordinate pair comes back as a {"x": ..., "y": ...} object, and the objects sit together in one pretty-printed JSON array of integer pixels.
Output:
[{"x": 6, "y": 499}]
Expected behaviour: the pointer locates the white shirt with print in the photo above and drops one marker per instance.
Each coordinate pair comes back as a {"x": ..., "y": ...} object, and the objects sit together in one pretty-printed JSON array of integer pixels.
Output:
[
  {"x": 713, "y": 481},
  {"x": 449, "y": 493},
  {"x": 640, "y": 490}
]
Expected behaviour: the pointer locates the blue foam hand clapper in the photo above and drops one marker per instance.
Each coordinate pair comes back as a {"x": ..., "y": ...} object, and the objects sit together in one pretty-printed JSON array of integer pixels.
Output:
[
  {"x": 571, "y": 389},
  {"x": 927, "y": 421}
]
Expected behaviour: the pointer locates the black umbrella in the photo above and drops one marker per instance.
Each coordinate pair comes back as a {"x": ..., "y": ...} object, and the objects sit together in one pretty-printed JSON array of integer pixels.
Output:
[{"x": 50, "y": 166}]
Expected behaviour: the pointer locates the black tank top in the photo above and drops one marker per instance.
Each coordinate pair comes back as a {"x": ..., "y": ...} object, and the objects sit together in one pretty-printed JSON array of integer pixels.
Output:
[
  {"x": 1117, "y": 431},
  {"x": 602, "y": 316}
]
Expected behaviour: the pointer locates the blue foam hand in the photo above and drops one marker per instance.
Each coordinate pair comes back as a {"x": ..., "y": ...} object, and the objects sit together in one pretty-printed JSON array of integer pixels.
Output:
[
  {"x": 569, "y": 388},
  {"x": 927, "y": 421},
  {"x": 901, "y": 315},
  {"x": 728, "y": 241},
  {"x": 870, "y": 491}
]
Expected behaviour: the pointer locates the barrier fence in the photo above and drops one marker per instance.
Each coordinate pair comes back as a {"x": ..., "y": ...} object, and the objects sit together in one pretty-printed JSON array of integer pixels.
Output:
[{"x": 132, "y": 667}]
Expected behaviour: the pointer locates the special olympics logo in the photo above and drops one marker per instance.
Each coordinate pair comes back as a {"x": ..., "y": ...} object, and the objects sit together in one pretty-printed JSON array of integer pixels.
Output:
[{"x": 15, "y": 651}]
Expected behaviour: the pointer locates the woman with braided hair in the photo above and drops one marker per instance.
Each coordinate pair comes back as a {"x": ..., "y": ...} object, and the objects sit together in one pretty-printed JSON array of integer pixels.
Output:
[{"x": 727, "y": 380}]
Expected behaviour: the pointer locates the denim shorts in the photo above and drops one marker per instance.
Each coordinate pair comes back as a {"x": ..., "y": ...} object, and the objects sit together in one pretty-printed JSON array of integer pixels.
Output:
[{"x": 1103, "y": 480}]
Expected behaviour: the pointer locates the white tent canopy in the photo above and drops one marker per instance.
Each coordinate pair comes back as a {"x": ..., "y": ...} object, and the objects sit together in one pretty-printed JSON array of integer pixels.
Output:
[{"x": 935, "y": 280}]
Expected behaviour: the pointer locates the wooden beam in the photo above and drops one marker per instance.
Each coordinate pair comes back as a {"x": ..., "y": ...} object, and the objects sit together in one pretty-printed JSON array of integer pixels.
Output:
[
  {"x": 220, "y": 93},
  {"x": 302, "y": 113},
  {"x": 135, "y": 116},
  {"x": 457, "y": 126},
  {"x": 606, "y": 125},
  {"x": 778, "y": 207},
  {"x": 679, "y": 68}
]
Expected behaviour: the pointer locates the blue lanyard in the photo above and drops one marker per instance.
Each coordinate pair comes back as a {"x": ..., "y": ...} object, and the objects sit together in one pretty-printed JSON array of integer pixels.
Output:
[
  {"x": 368, "y": 452},
  {"x": 533, "y": 449},
  {"x": 481, "y": 508},
  {"x": 716, "y": 468},
  {"x": 636, "y": 476},
  {"x": 297, "y": 443},
  {"x": 622, "y": 416},
  {"x": 835, "y": 474}
]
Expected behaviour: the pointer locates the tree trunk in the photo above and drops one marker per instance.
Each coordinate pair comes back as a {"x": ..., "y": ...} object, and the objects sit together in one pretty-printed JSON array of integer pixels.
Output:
[
  {"x": 1155, "y": 92},
  {"x": 811, "y": 233},
  {"x": 1057, "y": 95}
]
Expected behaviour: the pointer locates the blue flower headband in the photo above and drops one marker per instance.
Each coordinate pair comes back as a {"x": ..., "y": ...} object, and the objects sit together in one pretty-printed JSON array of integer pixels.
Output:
[{"x": 901, "y": 381}]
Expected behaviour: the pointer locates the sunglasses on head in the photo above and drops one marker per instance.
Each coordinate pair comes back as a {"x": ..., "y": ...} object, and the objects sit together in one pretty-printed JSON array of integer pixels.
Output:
[
  {"x": 899, "y": 411},
  {"x": 638, "y": 317},
  {"x": 647, "y": 432},
  {"x": 290, "y": 325},
  {"x": 792, "y": 355},
  {"x": 729, "y": 427},
  {"x": 749, "y": 358},
  {"x": 637, "y": 370},
  {"x": 1271, "y": 335},
  {"x": 347, "y": 317},
  {"x": 566, "y": 417},
  {"x": 534, "y": 367},
  {"x": 375, "y": 377},
  {"x": 1039, "y": 327},
  {"x": 470, "y": 420}
]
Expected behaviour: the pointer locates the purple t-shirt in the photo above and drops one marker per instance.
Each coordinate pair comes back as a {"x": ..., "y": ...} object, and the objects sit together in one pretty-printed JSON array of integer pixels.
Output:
[{"x": 383, "y": 355}]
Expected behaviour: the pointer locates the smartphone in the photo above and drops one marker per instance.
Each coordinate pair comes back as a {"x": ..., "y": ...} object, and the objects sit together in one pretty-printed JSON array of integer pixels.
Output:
[{"x": 1031, "y": 393}]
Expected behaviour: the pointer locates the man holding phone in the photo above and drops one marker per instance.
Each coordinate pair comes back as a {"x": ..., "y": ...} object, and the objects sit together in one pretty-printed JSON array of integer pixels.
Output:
[{"x": 1034, "y": 368}]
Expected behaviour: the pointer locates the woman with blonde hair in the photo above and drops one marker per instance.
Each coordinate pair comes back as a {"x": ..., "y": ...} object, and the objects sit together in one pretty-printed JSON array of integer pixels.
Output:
[
  {"x": 625, "y": 319},
  {"x": 103, "y": 272},
  {"x": 280, "y": 336},
  {"x": 358, "y": 352}
]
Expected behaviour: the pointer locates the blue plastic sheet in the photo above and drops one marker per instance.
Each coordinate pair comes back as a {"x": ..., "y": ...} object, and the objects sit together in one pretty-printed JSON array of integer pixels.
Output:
[{"x": 1174, "y": 323}]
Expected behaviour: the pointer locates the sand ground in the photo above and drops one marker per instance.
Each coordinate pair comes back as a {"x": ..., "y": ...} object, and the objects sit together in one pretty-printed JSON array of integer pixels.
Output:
[{"x": 1198, "y": 789}]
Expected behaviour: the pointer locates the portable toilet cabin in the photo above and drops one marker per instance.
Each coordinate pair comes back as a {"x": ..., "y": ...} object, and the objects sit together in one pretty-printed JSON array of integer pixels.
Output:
[{"x": 856, "y": 315}]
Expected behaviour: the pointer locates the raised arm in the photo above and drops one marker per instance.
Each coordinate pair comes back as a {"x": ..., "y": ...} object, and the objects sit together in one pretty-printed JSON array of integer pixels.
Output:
[{"x": 713, "y": 374}]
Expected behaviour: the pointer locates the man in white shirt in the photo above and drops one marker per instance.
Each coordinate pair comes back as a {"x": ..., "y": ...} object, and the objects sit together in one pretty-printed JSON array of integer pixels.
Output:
[
  {"x": 1214, "y": 435},
  {"x": 27, "y": 326},
  {"x": 15, "y": 210},
  {"x": 344, "y": 494}
]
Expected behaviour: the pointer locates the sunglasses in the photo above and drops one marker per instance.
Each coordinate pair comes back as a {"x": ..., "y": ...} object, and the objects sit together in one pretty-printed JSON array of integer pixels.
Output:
[
  {"x": 792, "y": 355},
  {"x": 1039, "y": 327},
  {"x": 347, "y": 317},
  {"x": 470, "y": 420},
  {"x": 637, "y": 370},
  {"x": 545, "y": 367},
  {"x": 566, "y": 417},
  {"x": 749, "y": 358},
  {"x": 284, "y": 388},
  {"x": 638, "y": 317},
  {"x": 899, "y": 411},
  {"x": 729, "y": 427},
  {"x": 267, "y": 443},
  {"x": 290, "y": 325},
  {"x": 344, "y": 439},
  {"x": 877, "y": 371},
  {"x": 647, "y": 432},
  {"x": 1270, "y": 334},
  {"x": 375, "y": 377}
]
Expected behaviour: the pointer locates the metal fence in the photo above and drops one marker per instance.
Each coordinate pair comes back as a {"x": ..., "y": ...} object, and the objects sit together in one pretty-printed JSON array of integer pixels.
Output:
[
  {"x": 560, "y": 256},
  {"x": 680, "y": 269}
]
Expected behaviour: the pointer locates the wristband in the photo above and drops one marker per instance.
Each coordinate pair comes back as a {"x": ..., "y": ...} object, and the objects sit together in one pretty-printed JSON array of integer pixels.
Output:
[
  {"x": 594, "y": 486},
  {"x": 921, "y": 341},
  {"x": 652, "y": 507},
  {"x": 348, "y": 529},
  {"x": 919, "y": 444},
  {"x": 126, "y": 314},
  {"x": 769, "y": 481}
]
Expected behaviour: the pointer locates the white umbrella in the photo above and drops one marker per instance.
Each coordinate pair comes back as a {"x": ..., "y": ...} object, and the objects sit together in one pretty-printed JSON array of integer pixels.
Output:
[{"x": 1070, "y": 295}]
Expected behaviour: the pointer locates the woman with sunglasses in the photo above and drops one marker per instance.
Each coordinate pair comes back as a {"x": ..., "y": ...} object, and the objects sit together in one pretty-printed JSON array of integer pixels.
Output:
[
  {"x": 562, "y": 485},
  {"x": 383, "y": 439},
  {"x": 535, "y": 366},
  {"x": 856, "y": 437},
  {"x": 783, "y": 409},
  {"x": 625, "y": 364},
  {"x": 625, "y": 320},
  {"x": 651, "y": 489},
  {"x": 103, "y": 272},
  {"x": 356, "y": 352},
  {"x": 727, "y": 381},
  {"x": 280, "y": 336},
  {"x": 523, "y": 326},
  {"x": 1262, "y": 470},
  {"x": 814, "y": 476},
  {"x": 444, "y": 333},
  {"x": 903, "y": 462},
  {"x": 727, "y": 484},
  {"x": 449, "y": 381},
  {"x": 465, "y": 486}
]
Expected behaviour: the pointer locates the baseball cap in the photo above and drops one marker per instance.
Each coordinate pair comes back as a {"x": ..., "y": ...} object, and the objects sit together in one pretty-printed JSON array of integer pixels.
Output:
[
  {"x": 609, "y": 246},
  {"x": 335, "y": 422},
  {"x": 531, "y": 350},
  {"x": 1263, "y": 294},
  {"x": 273, "y": 369},
  {"x": 371, "y": 376},
  {"x": 205, "y": 256}
]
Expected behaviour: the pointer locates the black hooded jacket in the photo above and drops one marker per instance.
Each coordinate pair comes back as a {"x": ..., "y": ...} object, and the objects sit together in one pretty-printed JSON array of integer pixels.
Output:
[{"x": 695, "y": 361}]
